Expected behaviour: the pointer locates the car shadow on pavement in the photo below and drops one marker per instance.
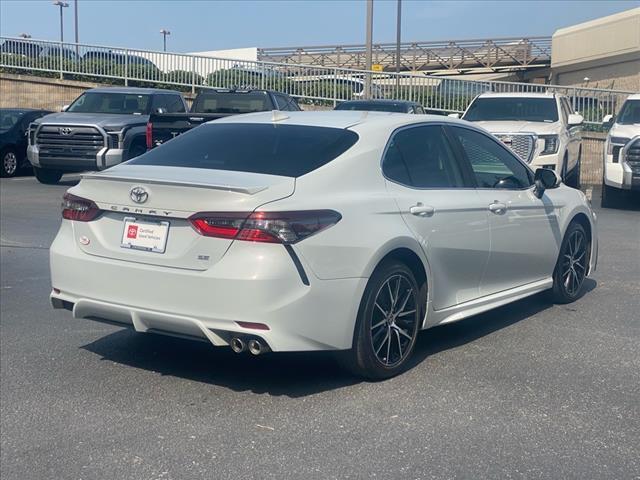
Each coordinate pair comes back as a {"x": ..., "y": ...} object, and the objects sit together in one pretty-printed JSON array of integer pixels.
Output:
[
  {"x": 290, "y": 374},
  {"x": 466, "y": 331}
]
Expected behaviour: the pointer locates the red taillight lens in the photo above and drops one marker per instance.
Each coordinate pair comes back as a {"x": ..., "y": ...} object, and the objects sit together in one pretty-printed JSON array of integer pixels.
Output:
[
  {"x": 149, "y": 135},
  {"x": 78, "y": 208},
  {"x": 267, "y": 227},
  {"x": 221, "y": 225}
]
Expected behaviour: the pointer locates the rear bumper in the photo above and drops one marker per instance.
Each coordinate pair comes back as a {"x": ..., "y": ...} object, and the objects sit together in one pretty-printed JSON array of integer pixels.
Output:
[{"x": 256, "y": 283}]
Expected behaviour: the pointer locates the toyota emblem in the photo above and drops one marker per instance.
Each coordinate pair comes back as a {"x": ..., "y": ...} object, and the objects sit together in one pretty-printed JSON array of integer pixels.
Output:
[
  {"x": 138, "y": 194},
  {"x": 65, "y": 130}
]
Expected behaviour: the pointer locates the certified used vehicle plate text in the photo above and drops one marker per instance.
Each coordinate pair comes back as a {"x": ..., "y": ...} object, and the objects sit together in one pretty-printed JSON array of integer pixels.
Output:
[{"x": 143, "y": 235}]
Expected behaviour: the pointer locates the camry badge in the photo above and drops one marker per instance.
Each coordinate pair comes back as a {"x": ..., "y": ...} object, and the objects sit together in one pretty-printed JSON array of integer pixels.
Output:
[{"x": 138, "y": 194}]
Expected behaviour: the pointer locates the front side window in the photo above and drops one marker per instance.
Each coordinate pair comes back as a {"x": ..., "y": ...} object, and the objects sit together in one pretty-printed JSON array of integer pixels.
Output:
[
  {"x": 492, "y": 164},
  {"x": 513, "y": 109},
  {"x": 286, "y": 150},
  {"x": 8, "y": 118},
  {"x": 107, "y": 102},
  {"x": 420, "y": 157}
]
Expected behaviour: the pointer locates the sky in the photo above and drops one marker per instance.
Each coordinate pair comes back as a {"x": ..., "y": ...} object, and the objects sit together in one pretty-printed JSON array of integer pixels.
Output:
[{"x": 216, "y": 25}]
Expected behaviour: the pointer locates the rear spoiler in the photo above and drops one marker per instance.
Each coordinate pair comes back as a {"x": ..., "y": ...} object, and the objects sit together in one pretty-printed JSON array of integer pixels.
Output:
[{"x": 229, "y": 188}]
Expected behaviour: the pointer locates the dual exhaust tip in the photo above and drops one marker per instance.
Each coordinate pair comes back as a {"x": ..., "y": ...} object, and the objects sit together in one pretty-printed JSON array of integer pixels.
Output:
[{"x": 254, "y": 346}]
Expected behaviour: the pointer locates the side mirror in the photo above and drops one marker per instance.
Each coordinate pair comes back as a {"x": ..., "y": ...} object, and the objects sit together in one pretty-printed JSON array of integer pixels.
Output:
[
  {"x": 454, "y": 115},
  {"x": 545, "y": 178},
  {"x": 575, "y": 119},
  {"x": 64, "y": 108},
  {"x": 607, "y": 121}
]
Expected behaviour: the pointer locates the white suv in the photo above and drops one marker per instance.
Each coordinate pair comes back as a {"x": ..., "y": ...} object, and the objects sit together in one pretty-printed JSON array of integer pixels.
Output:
[
  {"x": 622, "y": 151},
  {"x": 541, "y": 128}
]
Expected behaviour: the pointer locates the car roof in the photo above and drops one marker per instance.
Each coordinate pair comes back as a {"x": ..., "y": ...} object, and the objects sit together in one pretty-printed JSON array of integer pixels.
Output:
[
  {"x": 23, "y": 110},
  {"x": 379, "y": 101},
  {"x": 339, "y": 119},
  {"x": 635, "y": 96},
  {"x": 134, "y": 90},
  {"x": 518, "y": 95}
]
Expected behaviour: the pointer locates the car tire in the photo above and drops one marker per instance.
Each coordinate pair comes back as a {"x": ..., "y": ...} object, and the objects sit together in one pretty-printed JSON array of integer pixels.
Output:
[
  {"x": 572, "y": 264},
  {"x": 47, "y": 176},
  {"x": 10, "y": 163},
  {"x": 609, "y": 197},
  {"x": 386, "y": 329}
]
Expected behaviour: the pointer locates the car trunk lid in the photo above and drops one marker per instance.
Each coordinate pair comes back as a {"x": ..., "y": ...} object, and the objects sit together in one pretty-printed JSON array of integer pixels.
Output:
[{"x": 153, "y": 194}]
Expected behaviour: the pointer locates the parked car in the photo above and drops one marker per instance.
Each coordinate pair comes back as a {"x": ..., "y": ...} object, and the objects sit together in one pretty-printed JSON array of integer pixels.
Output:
[
  {"x": 14, "y": 124},
  {"x": 211, "y": 104},
  {"x": 20, "y": 47},
  {"x": 540, "y": 128},
  {"x": 324, "y": 86},
  {"x": 395, "y": 106},
  {"x": 55, "y": 52},
  {"x": 622, "y": 152},
  {"x": 101, "y": 128},
  {"x": 319, "y": 231},
  {"x": 117, "y": 58}
]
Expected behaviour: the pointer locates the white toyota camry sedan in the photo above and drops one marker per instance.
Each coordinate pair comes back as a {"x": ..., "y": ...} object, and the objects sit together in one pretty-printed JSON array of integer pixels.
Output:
[{"x": 344, "y": 231}]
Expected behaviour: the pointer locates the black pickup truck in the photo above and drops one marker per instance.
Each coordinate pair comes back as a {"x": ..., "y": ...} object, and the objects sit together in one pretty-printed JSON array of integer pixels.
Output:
[{"x": 212, "y": 104}]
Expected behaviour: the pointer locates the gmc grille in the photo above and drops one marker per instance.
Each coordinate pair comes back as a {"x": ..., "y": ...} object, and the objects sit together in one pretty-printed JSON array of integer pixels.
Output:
[
  {"x": 632, "y": 156},
  {"x": 522, "y": 145},
  {"x": 69, "y": 142}
]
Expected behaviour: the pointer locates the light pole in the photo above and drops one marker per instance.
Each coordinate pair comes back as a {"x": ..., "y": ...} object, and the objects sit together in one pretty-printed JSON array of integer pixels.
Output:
[
  {"x": 75, "y": 14},
  {"x": 62, "y": 5},
  {"x": 398, "y": 38},
  {"x": 369, "y": 54},
  {"x": 164, "y": 39}
]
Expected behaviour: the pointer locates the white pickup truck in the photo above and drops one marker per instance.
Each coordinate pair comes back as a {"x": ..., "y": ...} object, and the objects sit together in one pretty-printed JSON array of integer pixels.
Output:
[
  {"x": 541, "y": 128},
  {"x": 622, "y": 152}
]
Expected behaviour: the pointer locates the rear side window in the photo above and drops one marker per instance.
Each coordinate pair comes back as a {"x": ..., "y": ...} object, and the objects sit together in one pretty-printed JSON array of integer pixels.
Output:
[
  {"x": 421, "y": 157},
  {"x": 168, "y": 103},
  {"x": 286, "y": 150}
]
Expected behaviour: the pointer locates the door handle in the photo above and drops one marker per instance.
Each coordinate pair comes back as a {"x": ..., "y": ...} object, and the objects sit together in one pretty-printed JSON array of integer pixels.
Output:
[
  {"x": 497, "y": 207},
  {"x": 422, "y": 210}
]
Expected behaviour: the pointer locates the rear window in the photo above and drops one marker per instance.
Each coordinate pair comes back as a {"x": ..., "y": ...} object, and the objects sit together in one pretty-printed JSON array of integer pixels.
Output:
[
  {"x": 231, "y": 102},
  {"x": 373, "y": 106},
  {"x": 286, "y": 150}
]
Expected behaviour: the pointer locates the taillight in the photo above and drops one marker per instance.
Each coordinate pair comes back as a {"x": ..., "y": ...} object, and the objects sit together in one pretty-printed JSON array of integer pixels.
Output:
[
  {"x": 268, "y": 227},
  {"x": 149, "y": 135},
  {"x": 78, "y": 208}
]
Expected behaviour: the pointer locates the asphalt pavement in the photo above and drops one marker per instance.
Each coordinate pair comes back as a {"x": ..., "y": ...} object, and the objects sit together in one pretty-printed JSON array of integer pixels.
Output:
[{"x": 530, "y": 390}]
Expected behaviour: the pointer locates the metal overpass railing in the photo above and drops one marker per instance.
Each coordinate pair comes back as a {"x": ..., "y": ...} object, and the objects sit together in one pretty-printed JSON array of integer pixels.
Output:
[
  {"x": 458, "y": 55},
  {"x": 310, "y": 84}
]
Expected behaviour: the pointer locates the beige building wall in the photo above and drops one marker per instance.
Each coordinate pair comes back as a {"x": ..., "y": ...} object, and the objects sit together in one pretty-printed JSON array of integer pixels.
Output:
[{"x": 605, "y": 50}]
